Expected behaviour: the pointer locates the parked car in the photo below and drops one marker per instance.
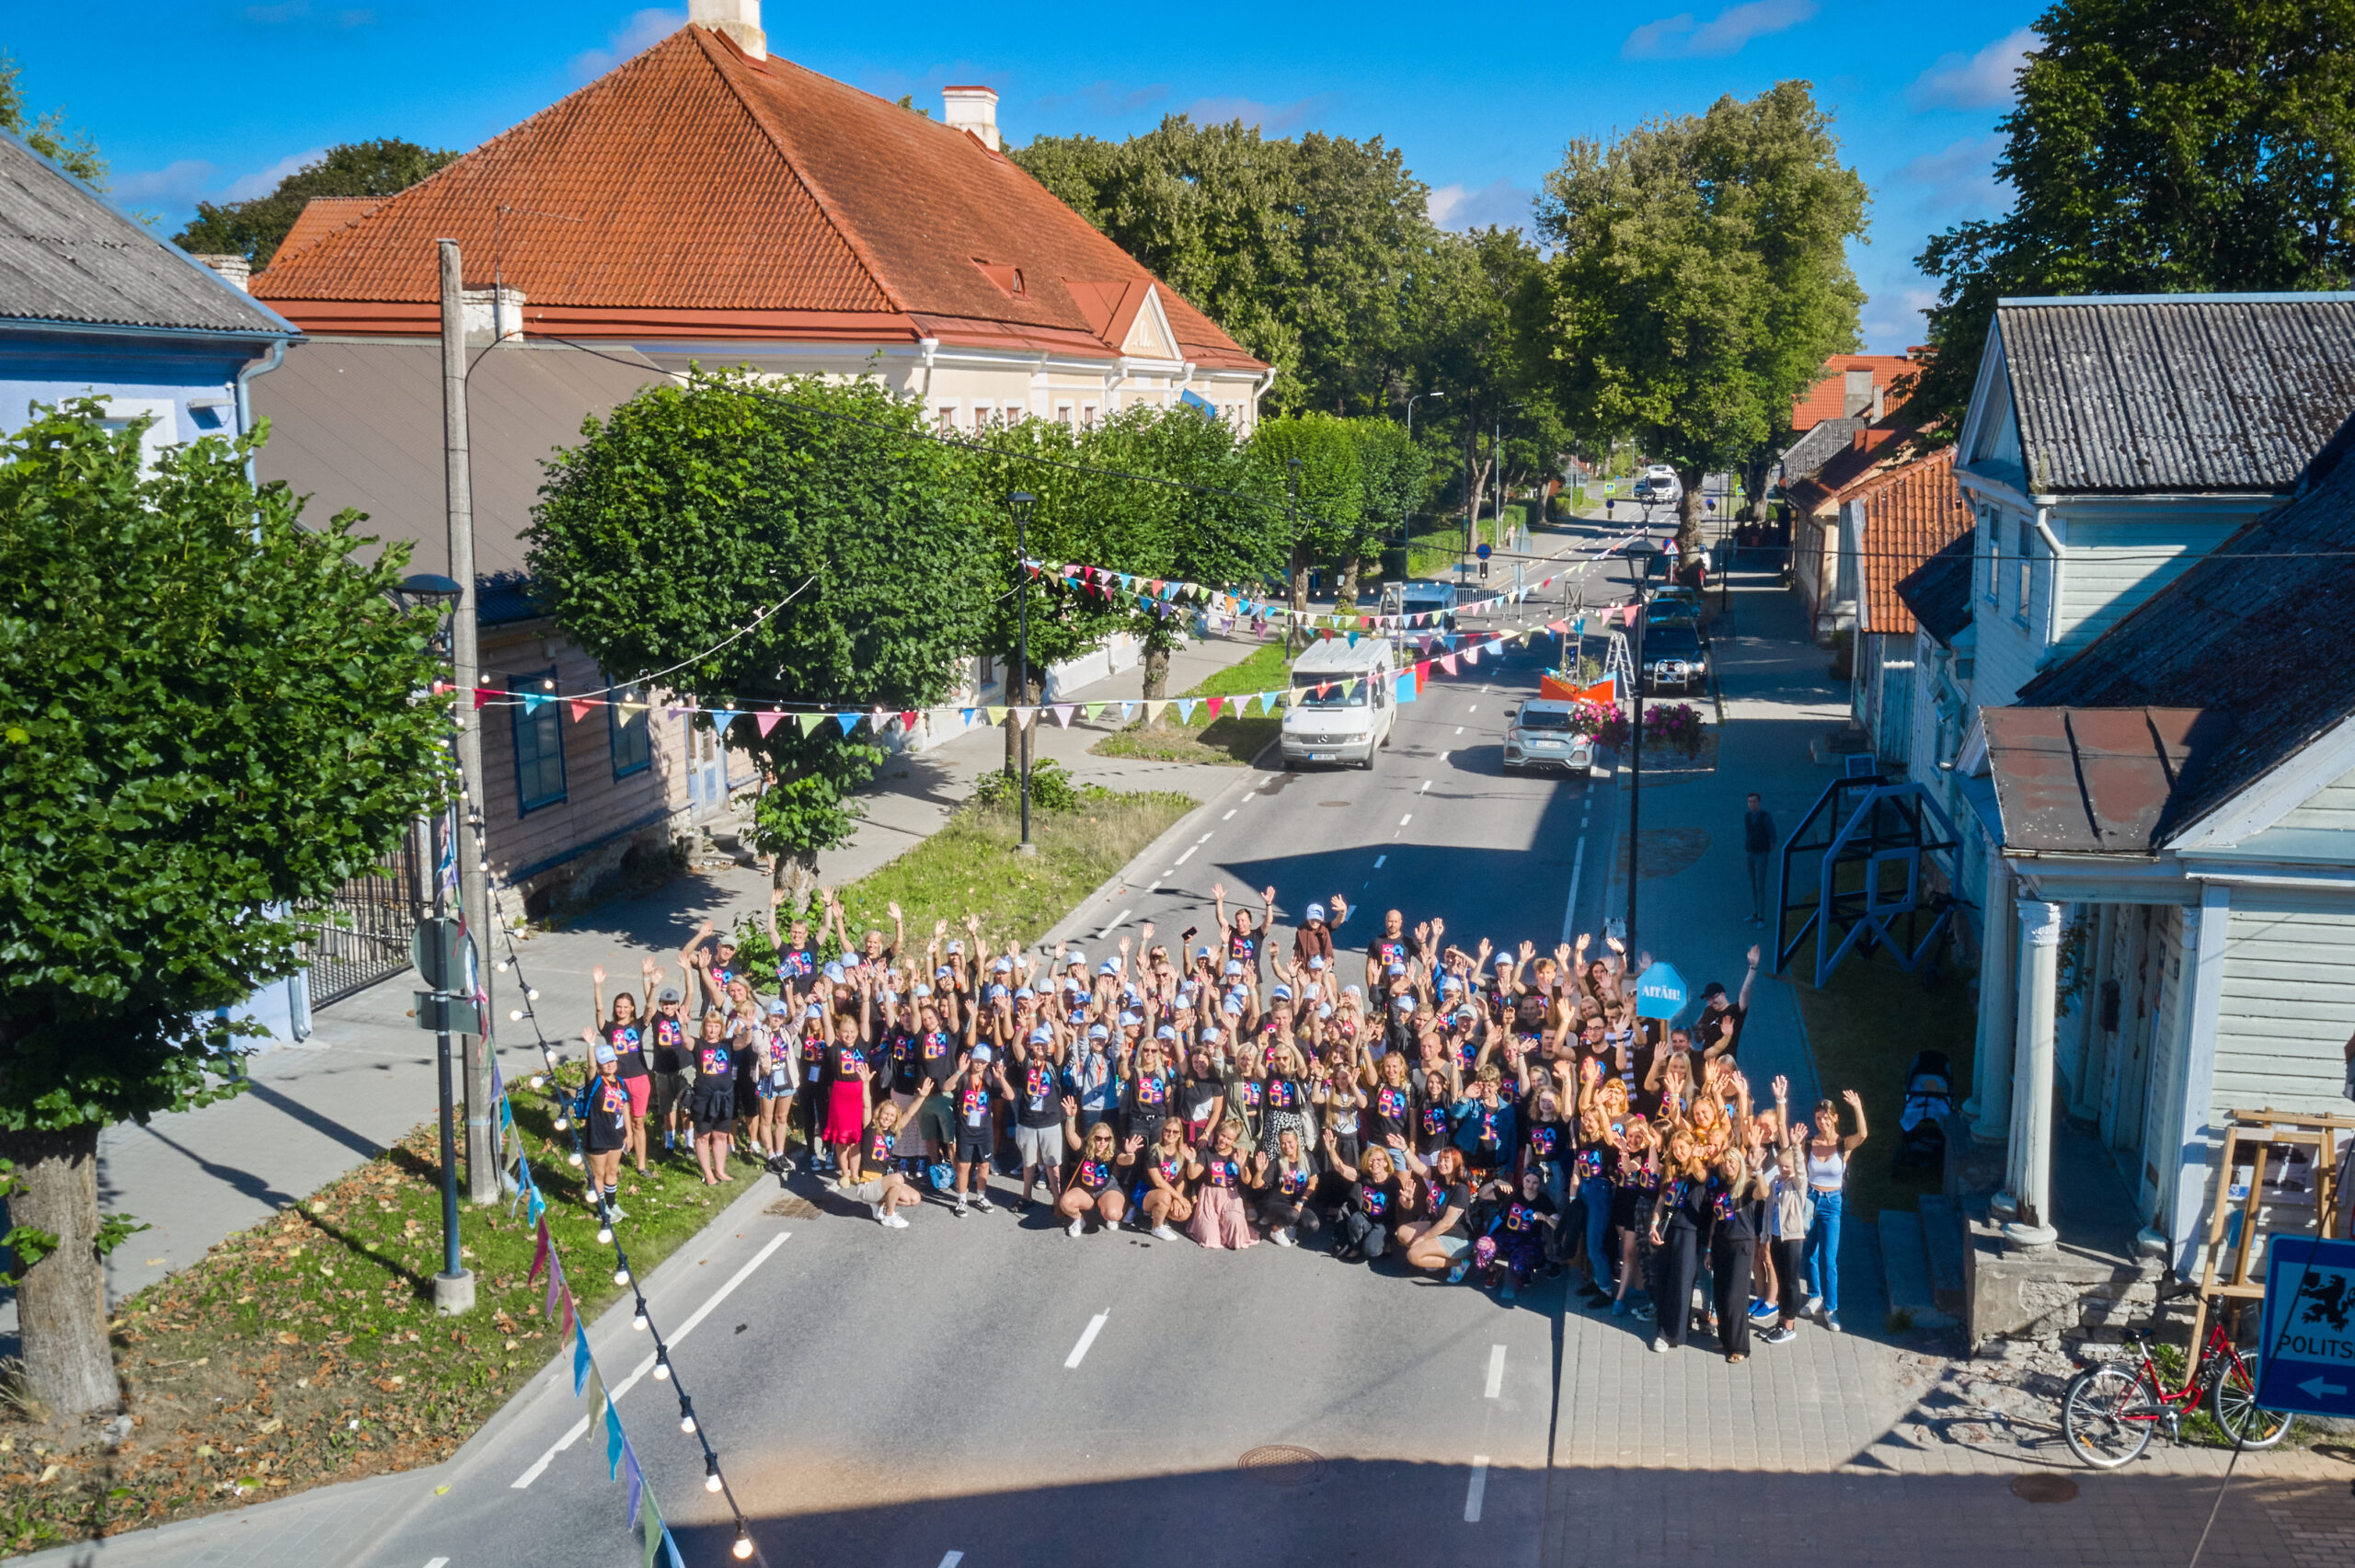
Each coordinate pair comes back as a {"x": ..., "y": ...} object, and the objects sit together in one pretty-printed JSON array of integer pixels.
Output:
[
  {"x": 1539, "y": 736},
  {"x": 1674, "y": 602},
  {"x": 1421, "y": 598},
  {"x": 1347, "y": 706},
  {"x": 1674, "y": 656},
  {"x": 1661, "y": 481}
]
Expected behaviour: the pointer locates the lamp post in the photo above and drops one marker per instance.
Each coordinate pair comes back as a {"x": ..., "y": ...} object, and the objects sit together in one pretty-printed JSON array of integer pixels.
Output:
[
  {"x": 1294, "y": 639},
  {"x": 453, "y": 1287},
  {"x": 1021, "y": 501},
  {"x": 1642, "y": 556},
  {"x": 1406, "y": 519}
]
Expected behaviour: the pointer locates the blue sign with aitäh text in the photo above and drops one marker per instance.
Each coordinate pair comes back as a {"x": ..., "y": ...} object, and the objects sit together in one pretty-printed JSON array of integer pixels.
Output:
[
  {"x": 2307, "y": 1348},
  {"x": 1661, "y": 993}
]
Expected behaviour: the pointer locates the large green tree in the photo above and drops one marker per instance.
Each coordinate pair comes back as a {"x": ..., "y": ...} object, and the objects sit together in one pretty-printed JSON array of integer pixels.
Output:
[
  {"x": 1481, "y": 326},
  {"x": 1310, "y": 465},
  {"x": 1700, "y": 278},
  {"x": 74, "y": 151},
  {"x": 666, "y": 540},
  {"x": 1304, "y": 251},
  {"x": 2157, "y": 146},
  {"x": 254, "y": 229},
  {"x": 208, "y": 714}
]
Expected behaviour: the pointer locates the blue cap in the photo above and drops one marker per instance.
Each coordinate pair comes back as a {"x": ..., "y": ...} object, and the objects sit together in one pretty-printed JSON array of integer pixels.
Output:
[
  {"x": 605, "y": 1054},
  {"x": 834, "y": 972},
  {"x": 1165, "y": 1033},
  {"x": 1042, "y": 1035},
  {"x": 1281, "y": 993}
]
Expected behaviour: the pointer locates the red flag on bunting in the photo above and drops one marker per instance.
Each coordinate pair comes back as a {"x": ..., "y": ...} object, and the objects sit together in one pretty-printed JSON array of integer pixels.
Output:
[{"x": 580, "y": 709}]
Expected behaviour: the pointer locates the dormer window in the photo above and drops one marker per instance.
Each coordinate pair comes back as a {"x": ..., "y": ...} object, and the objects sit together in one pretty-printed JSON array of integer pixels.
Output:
[{"x": 1007, "y": 279}]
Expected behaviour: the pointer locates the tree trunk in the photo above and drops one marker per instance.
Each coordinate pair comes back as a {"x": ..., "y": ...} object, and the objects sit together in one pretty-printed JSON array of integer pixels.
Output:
[
  {"x": 1689, "y": 511},
  {"x": 1754, "y": 482},
  {"x": 798, "y": 874},
  {"x": 62, "y": 1300},
  {"x": 1294, "y": 638},
  {"x": 1157, "y": 672},
  {"x": 1345, "y": 592}
]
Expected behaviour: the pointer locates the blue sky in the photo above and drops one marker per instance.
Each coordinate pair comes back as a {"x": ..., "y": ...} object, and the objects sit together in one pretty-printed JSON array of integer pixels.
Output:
[{"x": 211, "y": 98}]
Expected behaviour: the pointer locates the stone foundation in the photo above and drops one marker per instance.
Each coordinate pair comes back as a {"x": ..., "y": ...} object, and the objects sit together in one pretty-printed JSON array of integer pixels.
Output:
[{"x": 2067, "y": 1293}]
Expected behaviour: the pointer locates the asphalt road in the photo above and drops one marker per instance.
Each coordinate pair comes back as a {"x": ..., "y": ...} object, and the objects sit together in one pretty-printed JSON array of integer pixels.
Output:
[{"x": 989, "y": 1391}]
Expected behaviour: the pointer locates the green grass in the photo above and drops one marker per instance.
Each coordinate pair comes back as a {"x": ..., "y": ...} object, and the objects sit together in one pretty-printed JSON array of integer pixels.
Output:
[
  {"x": 1228, "y": 740},
  {"x": 1864, "y": 1029},
  {"x": 306, "y": 1350},
  {"x": 971, "y": 867}
]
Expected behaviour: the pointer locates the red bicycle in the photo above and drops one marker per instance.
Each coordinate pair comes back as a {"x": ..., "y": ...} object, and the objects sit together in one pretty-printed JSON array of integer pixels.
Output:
[{"x": 2109, "y": 1410}]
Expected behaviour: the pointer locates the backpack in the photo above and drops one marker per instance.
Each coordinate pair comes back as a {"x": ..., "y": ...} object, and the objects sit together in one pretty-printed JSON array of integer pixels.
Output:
[{"x": 1794, "y": 1212}]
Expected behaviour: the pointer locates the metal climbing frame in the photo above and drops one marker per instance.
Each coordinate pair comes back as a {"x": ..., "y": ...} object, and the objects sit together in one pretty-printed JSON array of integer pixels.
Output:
[{"x": 1881, "y": 830}]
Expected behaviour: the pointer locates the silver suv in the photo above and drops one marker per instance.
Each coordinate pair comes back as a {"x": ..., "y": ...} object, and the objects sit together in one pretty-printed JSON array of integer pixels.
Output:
[{"x": 1539, "y": 735}]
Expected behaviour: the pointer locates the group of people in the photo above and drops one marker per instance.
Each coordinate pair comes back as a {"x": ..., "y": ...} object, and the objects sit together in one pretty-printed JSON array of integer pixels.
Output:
[{"x": 1483, "y": 1117}]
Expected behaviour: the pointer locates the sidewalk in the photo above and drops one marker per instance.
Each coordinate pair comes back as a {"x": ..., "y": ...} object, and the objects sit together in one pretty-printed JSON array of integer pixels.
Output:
[{"x": 366, "y": 1076}]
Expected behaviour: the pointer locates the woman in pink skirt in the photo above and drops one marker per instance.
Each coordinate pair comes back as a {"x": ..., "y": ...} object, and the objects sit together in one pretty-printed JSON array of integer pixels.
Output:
[
  {"x": 1219, "y": 1216},
  {"x": 848, "y": 1074}
]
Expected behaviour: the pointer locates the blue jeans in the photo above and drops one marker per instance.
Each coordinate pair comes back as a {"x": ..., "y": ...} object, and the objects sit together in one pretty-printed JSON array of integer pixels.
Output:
[
  {"x": 1823, "y": 1250},
  {"x": 1597, "y": 1193}
]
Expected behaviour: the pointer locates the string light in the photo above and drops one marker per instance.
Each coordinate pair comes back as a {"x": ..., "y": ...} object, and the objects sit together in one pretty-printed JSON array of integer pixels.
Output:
[
  {"x": 711, "y": 1472},
  {"x": 662, "y": 1367},
  {"x": 686, "y": 1416},
  {"x": 621, "y": 1275},
  {"x": 638, "y": 1317},
  {"x": 743, "y": 1547},
  {"x": 605, "y": 1234}
]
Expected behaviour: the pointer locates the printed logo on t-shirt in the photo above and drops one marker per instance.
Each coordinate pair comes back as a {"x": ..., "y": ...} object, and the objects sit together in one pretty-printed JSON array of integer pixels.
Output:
[
  {"x": 1153, "y": 1090},
  {"x": 1541, "y": 1140},
  {"x": 1283, "y": 1094},
  {"x": 668, "y": 1032},
  {"x": 1094, "y": 1172},
  {"x": 1374, "y": 1200},
  {"x": 1293, "y": 1182},
  {"x": 1391, "y": 1103},
  {"x": 1520, "y": 1216},
  {"x": 975, "y": 1103},
  {"x": 1435, "y": 1120},
  {"x": 712, "y": 1060},
  {"x": 879, "y": 1147},
  {"x": 1253, "y": 1092},
  {"x": 1039, "y": 1085}
]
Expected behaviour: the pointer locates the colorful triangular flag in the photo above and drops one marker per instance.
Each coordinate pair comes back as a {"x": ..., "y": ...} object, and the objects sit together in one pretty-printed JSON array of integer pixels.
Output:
[{"x": 766, "y": 721}]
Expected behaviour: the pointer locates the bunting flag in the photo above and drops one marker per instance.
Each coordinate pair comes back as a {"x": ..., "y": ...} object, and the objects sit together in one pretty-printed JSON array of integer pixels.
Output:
[
  {"x": 596, "y": 1390},
  {"x": 997, "y": 716},
  {"x": 1215, "y": 704},
  {"x": 633, "y": 1479},
  {"x": 1292, "y": 696},
  {"x": 1406, "y": 686},
  {"x": 1186, "y": 706},
  {"x": 1472, "y": 655},
  {"x": 564, "y": 1302},
  {"x": 535, "y": 701},
  {"x": 614, "y": 1441},
  {"x": 1447, "y": 662},
  {"x": 1422, "y": 672},
  {"x": 848, "y": 721},
  {"x": 1093, "y": 711},
  {"x": 581, "y": 1362},
  {"x": 539, "y": 1254},
  {"x": 968, "y": 714},
  {"x": 630, "y": 710},
  {"x": 1062, "y": 712},
  {"x": 766, "y": 722},
  {"x": 484, "y": 695},
  {"x": 1155, "y": 708},
  {"x": 580, "y": 709},
  {"x": 908, "y": 717},
  {"x": 655, "y": 1533},
  {"x": 1127, "y": 710},
  {"x": 556, "y": 1282}
]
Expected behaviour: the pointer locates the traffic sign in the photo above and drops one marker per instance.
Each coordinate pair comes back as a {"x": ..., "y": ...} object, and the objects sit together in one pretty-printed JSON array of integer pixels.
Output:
[
  {"x": 439, "y": 1014},
  {"x": 1483, "y": 552},
  {"x": 1661, "y": 993},
  {"x": 2307, "y": 1344}
]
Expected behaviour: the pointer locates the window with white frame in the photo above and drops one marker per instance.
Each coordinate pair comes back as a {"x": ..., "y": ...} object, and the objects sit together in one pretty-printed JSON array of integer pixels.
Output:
[
  {"x": 2024, "y": 572},
  {"x": 943, "y": 418},
  {"x": 1087, "y": 415},
  {"x": 1988, "y": 538},
  {"x": 1016, "y": 413},
  {"x": 1063, "y": 415}
]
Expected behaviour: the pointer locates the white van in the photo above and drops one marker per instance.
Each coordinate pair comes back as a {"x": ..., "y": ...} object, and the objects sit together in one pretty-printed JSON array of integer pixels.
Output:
[{"x": 1347, "y": 705}]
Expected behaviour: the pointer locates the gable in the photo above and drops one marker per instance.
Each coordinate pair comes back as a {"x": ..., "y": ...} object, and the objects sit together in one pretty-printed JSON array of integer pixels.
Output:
[
  {"x": 1149, "y": 337},
  {"x": 2332, "y": 806}
]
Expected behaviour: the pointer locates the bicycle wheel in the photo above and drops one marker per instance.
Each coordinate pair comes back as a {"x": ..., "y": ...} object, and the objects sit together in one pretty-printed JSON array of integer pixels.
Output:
[
  {"x": 2095, "y": 1419},
  {"x": 2234, "y": 1402}
]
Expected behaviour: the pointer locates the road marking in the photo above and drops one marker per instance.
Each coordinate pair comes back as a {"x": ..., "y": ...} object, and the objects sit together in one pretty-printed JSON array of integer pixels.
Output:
[
  {"x": 1407, "y": 819},
  {"x": 1154, "y": 885},
  {"x": 1426, "y": 783},
  {"x": 1479, "y": 1486},
  {"x": 580, "y": 1428},
  {"x": 1087, "y": 1337},
  {"x": 1570, "y": 909},
  {"x": 439, "y": 1562},
  {"x": 1496, "y": 1370},
  {"x": 1230, "y": 813},
  {"x": 1114, "y": 924},
  {"x": 1459, "y": 729},
  {"x": 1378, "y": 860},
  {"x": 1206, "y": 836},
  {"x": 952, "y": 1559},
  {"x": 1186, "y": 856},
  {"x": 1473, "y": 709}
]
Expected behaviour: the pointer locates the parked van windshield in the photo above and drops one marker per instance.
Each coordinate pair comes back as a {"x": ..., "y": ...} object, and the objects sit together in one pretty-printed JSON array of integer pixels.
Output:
[{"x": 1333, "y": 695}]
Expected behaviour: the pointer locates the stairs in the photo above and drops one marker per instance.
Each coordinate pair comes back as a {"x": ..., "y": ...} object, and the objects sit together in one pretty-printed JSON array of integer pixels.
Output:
[{"x": 1921, "y": 1262}]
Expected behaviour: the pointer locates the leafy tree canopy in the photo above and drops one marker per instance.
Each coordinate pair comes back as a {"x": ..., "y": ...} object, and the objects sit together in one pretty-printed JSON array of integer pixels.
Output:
[
  {"x": 255, "y": 229},
  {"x": 73, "y": 151},
  {"x": 689, "y": 511},
  {"x": 1700, "y": 278},
  {"x": 2158, "y": 145}
]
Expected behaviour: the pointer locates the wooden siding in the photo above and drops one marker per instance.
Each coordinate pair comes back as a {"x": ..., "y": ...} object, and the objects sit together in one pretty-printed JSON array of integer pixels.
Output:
[
  {"x": 2289, "y": 1004},
  {"x": 596, "y": 804},
  {"x": 2006, "y": 652},
  {"x": 2333, "y": 806},
  {"x": 2110, "y": 568}
]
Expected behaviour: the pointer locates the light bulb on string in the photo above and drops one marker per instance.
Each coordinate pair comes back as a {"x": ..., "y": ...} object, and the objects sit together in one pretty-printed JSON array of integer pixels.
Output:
[
  {"x": 711, "y": 1472},
  {"x": 662, "y": 1367},
  {"x": 564, "y": 1124},
  {"x": 638, "y": 1317},
  {"x": 604, "y": 1234},
  {"x": 501, "y": 966},
  {"x": 742, "y": 1550},
  {"x": 514, "y": 1015},
  {"x": 573, "y": 1158},
  {"x": 686, "y": 1417},
  {"x": 621, "y": 1275},
  {"x": 539, "y": 1081}
]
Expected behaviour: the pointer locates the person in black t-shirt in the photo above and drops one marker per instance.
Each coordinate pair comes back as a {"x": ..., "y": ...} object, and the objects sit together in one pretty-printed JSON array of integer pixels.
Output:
[
  {"x": 624, "y": 1032},
  {"x": 1390, "y": 945},
  {"x": 1377, "y": 1203},
  {"x": 974, "y": 1089},
  {"x": 1244, "y": 940},
  {"x": 1719, "y": 1028},
  {"x": 712, "y": 1102},
  {"x": 604, "y": 1121},
  {"x": 672, "y": 1071}
]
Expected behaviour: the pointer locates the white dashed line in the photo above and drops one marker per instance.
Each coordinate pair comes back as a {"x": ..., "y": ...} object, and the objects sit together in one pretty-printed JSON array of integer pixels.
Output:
[
  {"x": 1186, "y": 856},
  {"x": 1496, "y": 1370},
  {"x": 1087, "y": 1337},
  {"x": 438, "y": 1562},
  {"x": 1378, "y": 860},
  {"x": 1570, "y": 909},
  {"x": 1407, "y": 819},
  {"x": 1476, "y": 1489},
  {"x": 1473, "y": 709},
  {"x": 1459, "y": 729},
  {"x": 1230, "y": 813},
  {"x": 1426, "y": 784},
  {"x": 952, "y": 1559},
  {"x": 1114, "y": 924},
  {"x": 1205, "y": 837}
]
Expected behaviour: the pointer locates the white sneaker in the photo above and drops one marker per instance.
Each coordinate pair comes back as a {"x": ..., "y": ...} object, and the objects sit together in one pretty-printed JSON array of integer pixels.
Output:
[
  {"x": 896, "y": 1221},
  {"x": 1078, "y": 1226},
  {"x": 1282, "y": 1236},
  {"x": 877, "y": 1208},
  {"x": 981, "y": 1202},
  {"x": 1164, "y": 1232}
]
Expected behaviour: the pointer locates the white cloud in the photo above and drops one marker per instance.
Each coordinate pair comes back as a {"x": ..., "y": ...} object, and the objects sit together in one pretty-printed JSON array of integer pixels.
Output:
[
  {"x": 1983, "y": 80},
  {"x": 1684, "y": 37},
  {"x": 261, "y": 182},
  {"x": 642, "y": 31},
  {"x": 1107, "y": 98},
  {"x": 177, "y": 184},
  {"x": 1500, "y": 203},
  {"x": 1270, "y": 119},
  {"x": 1959, "y": 178}
]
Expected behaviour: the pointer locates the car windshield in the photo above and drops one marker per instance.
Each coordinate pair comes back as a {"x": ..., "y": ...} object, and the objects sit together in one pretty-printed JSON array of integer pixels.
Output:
[
  {"x": 1416, "y": 602},
  {"x": 1545, "y": 718},
  {"x": 1333, "y": 695},
  {"x": 1671, "y": 641}
]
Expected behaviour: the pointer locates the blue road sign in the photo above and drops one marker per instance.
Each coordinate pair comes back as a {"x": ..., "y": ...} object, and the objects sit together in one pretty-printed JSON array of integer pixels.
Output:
[
  {"x": 1661, "y": 993},
  {"x": 1484, "y": 552},
  {"x": 2308, "y": 1342}
]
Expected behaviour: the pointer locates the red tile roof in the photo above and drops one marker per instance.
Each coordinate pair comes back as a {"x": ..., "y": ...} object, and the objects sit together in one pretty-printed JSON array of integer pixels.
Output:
[
  {"x": 1872, "y": 452},
  {"x": 1827, "y": 399},
  {"x": 694, "y": 193},
  {"x": 1910, "y": 514},
  {"x": 320, "y": 217}
]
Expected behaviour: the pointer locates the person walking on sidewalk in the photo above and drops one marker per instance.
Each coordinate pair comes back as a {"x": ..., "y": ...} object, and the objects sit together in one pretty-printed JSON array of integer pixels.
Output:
[{"x": 1758, "y": 846}]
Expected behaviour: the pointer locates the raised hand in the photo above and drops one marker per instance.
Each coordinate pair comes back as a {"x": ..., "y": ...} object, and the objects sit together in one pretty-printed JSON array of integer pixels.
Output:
[
  {"x": 1144, "y": 933},
  {"x": 1218, "y": 892},
  {"x": 777, "y": 897},
  {"x": 597, "y": 973},
  {"x": 1855, "y": 1102},
  {"x": 1782, "y": 1087},
  {"x": 1528, "y": 951},
  {"x": 1071, "y": 1106},
  {"x": 892, "y": 909},
  {"x": 1754, "y": 954},
  {"x": 1133, "y": 1144},
  {"x": 1269, "y": 896},
  {"x": 939, "y": 929}
]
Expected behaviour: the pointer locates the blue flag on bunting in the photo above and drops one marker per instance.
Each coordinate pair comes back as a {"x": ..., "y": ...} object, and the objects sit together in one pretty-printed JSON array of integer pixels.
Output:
[
  {"x": 580, "y": 1361},
  {"x": 672, "y": 1548},
  {"x": 848, "y": 721},
  {"x": 1186, "y": 706},
  {"x": 535, "y": 701},
  {"x": 613, "y": 1439},
  {"x": 633, "y": 1478}
]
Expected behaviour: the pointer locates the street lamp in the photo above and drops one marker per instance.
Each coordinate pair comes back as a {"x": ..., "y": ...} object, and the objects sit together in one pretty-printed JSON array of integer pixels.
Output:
[
  {"x": 453, "y": 1287},
  {"x": 1405, "y": 518},
  {"x": 1020, "y": 503},
  {"x": 1642, "y": 556}
]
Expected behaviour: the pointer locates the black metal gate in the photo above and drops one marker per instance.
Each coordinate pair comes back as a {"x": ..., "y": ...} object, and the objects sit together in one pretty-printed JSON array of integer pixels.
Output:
[{"x": 364, "y": 936}]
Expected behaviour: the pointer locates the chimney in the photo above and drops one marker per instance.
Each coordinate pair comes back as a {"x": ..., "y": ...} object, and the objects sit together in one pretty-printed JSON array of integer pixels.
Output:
[
  {"x": 739, "y": 19},
  {"x": 491, "y": 315},
  {"x": 234, "y": 270},
  {"x": 973, "y": 109}
]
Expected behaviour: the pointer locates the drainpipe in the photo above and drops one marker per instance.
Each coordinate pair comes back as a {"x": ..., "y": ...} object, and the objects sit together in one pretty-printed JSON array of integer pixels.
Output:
[
  {"x": 930, "y": 347},
  {"x": 244, "y": 397},
  {"x": 1259, "y": 392}
]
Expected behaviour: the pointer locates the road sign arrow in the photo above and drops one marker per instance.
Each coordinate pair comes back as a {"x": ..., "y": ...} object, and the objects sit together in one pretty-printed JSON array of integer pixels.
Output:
[{"x": 2315, "y": 1388}]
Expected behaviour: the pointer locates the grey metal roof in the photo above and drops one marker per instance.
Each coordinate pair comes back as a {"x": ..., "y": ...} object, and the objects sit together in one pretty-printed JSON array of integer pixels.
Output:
[
  {"x": 68, "y": 256},
  {"x": 359, "y": 424},
  {"x": 2095, "y": 781},
  {"x": 1938, "y": 591},
  {"x": 1821, "y": 441},
  {"x": 2177, "y": 394},
  {"x": 2256, "y": 630}
]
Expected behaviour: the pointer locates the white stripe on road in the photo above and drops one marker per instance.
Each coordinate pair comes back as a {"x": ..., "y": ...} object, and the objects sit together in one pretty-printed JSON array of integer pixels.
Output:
[
  {"x": 1478, "y": 1487},
  {"x": 952, "y": 1559},
  {"x": 1407, "y": 819},
  {"x": 1378, "y": 860},
  {"x": 1496, "y": 1370},
  {"x": 1570, "y": 909},
  {"x": 1206, "y": 836},
  {"x": 1186, "y": 856},
  {"x": 439, "y": 1562},
  {"x": 1087, "y": 1337},
  {"x": 1230, "y": 813},
  {"x": 1426, "y": 783},
  {"x": 1459, "y": 729},
  {"x": 580, "y": 1428},
  {"x": 1115, "y": 924}
]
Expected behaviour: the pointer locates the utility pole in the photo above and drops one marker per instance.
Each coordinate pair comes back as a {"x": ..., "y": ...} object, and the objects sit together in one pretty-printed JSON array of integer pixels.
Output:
[
  {"x": 1022, "y": 501},
  {"x": 465, "y": 659}
]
